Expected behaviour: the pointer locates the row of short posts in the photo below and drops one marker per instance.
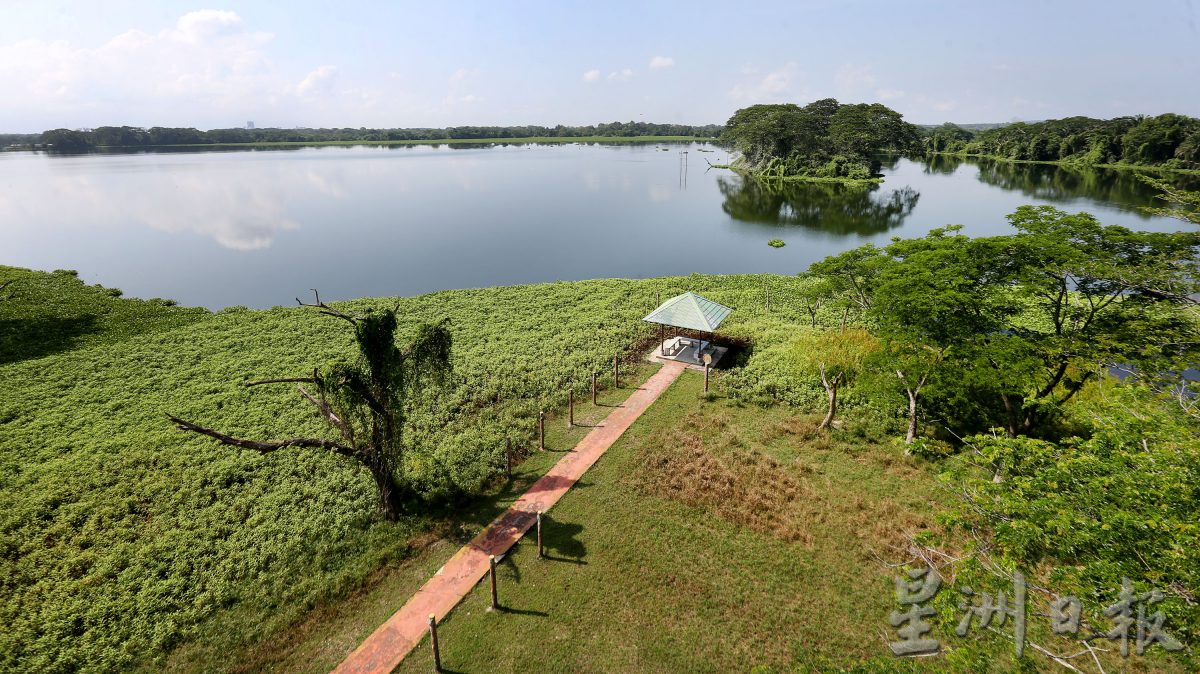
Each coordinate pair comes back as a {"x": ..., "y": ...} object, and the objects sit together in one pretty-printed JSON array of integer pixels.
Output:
[
  {"x": 570, "y": 413},
  {"x": 433, "y": 635},
  {"x": 433, "y": 638}
]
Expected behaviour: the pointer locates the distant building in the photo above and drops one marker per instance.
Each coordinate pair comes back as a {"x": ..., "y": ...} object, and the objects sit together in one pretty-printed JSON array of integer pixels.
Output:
[{"x": 250, "y": 124}]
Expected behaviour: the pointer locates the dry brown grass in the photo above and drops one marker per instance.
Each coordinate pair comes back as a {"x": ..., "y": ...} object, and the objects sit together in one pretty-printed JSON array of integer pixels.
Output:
[{"x": 706, "y": 463}]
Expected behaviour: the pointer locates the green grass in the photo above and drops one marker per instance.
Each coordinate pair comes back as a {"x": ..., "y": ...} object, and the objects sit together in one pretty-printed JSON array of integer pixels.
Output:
[
  {"x": 715, "y": 537},
  {"x": 43, "y": 313},
  {"x": 711, "y": 537},
  {"x": 122, "y": 538},
  {"x": 542, "y": 140}
]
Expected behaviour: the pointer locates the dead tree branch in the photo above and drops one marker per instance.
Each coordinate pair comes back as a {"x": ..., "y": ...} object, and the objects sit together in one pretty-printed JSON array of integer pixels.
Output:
[
  {"x": 264, "y": 447},
  {"x": 283, "y": 380},
  {"x": 328, "y": 310}
]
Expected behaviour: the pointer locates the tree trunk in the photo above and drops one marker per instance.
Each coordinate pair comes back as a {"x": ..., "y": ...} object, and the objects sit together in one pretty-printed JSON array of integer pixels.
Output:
[
  {"x": 913, "y": 392},
  {"x": 390, "y": 494},
  {"x": 831, "y": 387},
  {"x": 912, "y": 418},
  {"x": 1012, "y": 415}
]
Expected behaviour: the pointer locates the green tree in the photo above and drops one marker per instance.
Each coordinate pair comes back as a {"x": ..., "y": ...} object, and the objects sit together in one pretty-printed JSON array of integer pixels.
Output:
[
  {"x": 66, "y": 140},
  {"x": 1025, "y": 320},
  {"x": 365, "y": 400},
  {"x": 933, "y": 295},
  {"x": 823, "y": 139},
  {"x": 836, "y": 357},
  {"x": 1184, "y": 204}
]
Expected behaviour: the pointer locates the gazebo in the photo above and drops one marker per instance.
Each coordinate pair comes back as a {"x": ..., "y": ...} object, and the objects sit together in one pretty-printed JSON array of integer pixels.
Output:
[{"x": 694, "y": 313}]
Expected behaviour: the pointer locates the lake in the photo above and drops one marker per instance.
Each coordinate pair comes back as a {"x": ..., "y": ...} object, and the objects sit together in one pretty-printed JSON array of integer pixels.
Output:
[{"x": 259, "y": 228}]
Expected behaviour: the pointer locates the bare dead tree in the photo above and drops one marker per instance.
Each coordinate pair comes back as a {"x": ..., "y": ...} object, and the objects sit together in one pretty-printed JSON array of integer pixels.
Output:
[{"x": 364, "y": 400}]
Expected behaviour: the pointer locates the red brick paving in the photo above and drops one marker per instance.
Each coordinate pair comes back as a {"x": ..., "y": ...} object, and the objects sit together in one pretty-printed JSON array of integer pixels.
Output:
[{"x": 393, "y": 640}]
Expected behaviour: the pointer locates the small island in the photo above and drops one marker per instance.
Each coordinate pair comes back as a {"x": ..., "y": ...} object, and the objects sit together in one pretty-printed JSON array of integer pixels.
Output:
[{"x": 824, "y": 141}]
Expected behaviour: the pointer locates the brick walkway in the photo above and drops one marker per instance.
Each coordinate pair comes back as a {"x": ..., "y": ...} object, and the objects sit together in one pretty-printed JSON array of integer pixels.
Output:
[{"x": 393, "y": 640}]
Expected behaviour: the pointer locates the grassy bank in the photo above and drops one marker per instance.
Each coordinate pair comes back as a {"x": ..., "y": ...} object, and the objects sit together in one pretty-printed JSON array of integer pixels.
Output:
[
  {"x": 541, "y": 140},
  {"x": 797, "y": 179}
]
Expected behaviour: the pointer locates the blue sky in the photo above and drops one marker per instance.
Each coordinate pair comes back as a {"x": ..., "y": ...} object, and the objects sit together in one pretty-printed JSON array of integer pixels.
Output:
[{"x": 351, "y": 63}]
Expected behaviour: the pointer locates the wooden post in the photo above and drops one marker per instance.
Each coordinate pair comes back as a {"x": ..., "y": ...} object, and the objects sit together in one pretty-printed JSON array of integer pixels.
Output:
[
  {"x": 706, "y": 377},
  {"x": 541, "y": 550},
  {"x": 570, "y": 408},
  {"x": 508, "y": 457},
  {"x": 495, "y": 598},
  {"x": 616, "y": 372},
  {"x": 542, "y": 430},
  {"x": 662, "y": 339},
  {"x": 437, "y": 654},
  {"x": 593, "y": 388}
]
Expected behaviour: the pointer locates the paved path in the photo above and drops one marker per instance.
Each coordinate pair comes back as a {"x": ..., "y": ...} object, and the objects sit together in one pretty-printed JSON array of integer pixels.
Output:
[{"x": 393, "y": 640}]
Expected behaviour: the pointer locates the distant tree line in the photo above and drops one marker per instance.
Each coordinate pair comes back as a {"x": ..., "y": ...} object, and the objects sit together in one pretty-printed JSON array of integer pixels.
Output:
[
  {"x": 1170, "y": 140},
  {"x": 824, "y": 139},
  {"x": 132, "y": 136}
]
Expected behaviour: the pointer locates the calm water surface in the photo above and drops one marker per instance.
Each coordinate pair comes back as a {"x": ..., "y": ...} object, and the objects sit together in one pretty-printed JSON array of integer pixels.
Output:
[{"x": 259, "y": 228}]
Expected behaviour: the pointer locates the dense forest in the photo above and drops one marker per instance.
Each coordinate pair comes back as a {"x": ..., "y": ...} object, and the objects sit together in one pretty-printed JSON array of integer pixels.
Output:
[
  {"x": 1169, "y": 141},
  {"x": 824, "y": 139},
  {"x": 131, "y": 136}
]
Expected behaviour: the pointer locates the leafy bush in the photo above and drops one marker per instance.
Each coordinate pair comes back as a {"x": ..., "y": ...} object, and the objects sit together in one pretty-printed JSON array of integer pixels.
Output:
[{"x": 1122, "y": 502}]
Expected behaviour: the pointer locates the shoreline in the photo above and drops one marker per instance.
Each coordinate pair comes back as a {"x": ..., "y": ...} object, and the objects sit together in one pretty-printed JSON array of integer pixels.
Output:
[
  {"x": 851, "y": 182},
  {"x": 540, "y": 140},
  {"x": 1064, "y": 163}
]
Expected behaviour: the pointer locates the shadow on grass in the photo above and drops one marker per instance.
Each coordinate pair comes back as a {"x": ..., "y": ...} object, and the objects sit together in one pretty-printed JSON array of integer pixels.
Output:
[
  {"x": 23, "y": 339},
  {"x": 562, "y": 538},
  {"x": 517, "y": 611}
]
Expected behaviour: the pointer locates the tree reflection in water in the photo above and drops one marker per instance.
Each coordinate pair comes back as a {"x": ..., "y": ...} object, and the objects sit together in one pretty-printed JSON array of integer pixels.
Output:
[
  {"x": 827, "y": 207},
  {"x": 1066, "y": 184}
]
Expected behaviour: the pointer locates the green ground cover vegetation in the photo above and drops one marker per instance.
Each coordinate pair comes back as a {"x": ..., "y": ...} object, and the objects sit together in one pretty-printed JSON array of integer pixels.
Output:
[
  {"x": 121, "y": 536},
  {"x": 42, "y": 313}
]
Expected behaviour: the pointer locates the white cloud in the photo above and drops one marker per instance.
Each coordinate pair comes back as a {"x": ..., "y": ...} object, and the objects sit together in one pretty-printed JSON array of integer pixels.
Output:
[
  {"x": 620, "y": 75},
  {"x": 660, "y": 62},
  {"x": 851, "y": 77},
  {"x": 319, "y": 81},
  {"x": 776, "y": 84},
  {"x": 591, "y": 76},
  {"x": 463, "y": 73},
  {"x": 208, "y": 60},
  {"x": 471, "y": 98},
  {"x": 206, "y": 24},
  {"x": 889, "y": 94}
]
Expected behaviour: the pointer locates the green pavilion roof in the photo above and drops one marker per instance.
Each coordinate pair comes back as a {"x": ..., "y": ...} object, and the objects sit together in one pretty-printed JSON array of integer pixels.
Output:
[{"x": 690, "y": 311}]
